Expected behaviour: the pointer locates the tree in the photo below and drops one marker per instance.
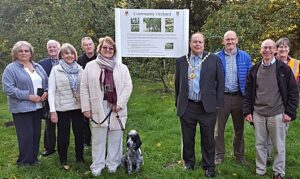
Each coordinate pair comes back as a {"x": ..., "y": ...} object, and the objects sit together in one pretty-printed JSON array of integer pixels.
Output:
[
  {"x": 255, "y": 22},
  {"x": 37, "y": 21}
]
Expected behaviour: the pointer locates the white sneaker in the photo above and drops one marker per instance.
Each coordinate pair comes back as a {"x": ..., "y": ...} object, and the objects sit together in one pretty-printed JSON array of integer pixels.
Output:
[{"x": 96, "y": 173}]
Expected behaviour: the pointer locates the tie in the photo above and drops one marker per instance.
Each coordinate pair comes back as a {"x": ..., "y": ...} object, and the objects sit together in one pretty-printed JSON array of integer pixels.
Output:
[{"x": 196, "y": 80}]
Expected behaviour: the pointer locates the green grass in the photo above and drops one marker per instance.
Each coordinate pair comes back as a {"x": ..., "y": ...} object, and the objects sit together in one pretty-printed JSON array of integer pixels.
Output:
[{"x": 153, "y": 115}]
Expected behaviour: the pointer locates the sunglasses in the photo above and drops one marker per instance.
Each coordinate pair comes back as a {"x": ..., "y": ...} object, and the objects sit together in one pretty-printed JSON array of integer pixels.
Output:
[
  {"x": 108, "y": 48},
  {"x": 26, "y": 51}
]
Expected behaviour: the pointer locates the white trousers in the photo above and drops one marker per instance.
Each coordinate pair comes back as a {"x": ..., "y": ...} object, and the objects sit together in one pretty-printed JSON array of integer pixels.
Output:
[
  {"x": 274, "y": 128},
  {"x": 102, "y": 137}
]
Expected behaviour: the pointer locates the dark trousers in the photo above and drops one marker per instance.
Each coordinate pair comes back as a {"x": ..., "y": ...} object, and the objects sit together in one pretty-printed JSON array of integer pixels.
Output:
[
  {"x": 194, "y": 114},
  {"x": 232, "y": 105},
  {"x": 28, "y": 129},
  {"x": 87, "y": 132},
  {"x": 49, "y": 135},
  {"x": 63, "y": 134}
]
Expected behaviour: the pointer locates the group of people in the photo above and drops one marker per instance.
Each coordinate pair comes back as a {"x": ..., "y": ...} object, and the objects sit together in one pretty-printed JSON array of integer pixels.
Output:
[
  {"x": 90, "y": 91},
  {"x": 210, "y": 87}
]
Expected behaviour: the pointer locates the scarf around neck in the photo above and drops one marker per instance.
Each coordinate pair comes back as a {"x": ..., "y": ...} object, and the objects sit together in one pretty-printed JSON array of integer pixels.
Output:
[
  {"x": 107, "y": 83},
  {"x": 71, "y": 71}
]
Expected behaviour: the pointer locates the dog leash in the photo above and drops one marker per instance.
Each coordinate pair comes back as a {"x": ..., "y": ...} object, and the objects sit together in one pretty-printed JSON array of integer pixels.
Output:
[
  {"x": 108, "y": 117},
  {"x": 120, "y": 122}
]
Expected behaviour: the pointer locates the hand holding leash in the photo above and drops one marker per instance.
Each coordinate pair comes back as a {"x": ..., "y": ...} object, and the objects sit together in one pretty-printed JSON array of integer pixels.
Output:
[{"x": 116, "y": 108}]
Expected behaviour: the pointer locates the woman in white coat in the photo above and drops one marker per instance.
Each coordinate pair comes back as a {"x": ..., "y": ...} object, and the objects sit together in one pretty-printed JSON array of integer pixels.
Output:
[
  {"x": 64, "y": 103},
  {"x": 105, "y": 90}
]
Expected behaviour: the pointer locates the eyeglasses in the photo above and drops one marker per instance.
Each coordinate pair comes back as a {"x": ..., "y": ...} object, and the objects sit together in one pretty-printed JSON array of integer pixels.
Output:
[
  {"x": 108, "y": 48},
  {"x": 267, "y": 47},
  {"x": 26, "y": 51}
]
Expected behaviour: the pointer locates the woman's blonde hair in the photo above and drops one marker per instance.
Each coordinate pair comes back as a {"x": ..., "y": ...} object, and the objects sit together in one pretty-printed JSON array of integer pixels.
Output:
[
  {"x": 65, "y": 48},
  {"x": 17, "y": 47},
  {"x": 108, "y": 40}
]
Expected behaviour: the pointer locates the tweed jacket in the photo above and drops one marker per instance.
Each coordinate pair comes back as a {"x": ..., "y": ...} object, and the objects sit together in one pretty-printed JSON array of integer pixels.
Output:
[
  {"x": 60, "y": 96},
  {"x": 211, "y": 84},
  {"x": 92, "y": 96}
]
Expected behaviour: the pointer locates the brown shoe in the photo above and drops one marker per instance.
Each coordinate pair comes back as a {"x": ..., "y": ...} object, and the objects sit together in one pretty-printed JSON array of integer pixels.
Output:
[{"x": 277, "y": 176}]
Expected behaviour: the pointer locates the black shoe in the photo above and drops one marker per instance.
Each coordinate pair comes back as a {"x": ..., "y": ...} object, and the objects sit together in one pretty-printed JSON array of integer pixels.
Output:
[
  {"x": 47, "y": 153},
  {"x": 209, "y": 174},
  {"x": 188, "y": 167}
]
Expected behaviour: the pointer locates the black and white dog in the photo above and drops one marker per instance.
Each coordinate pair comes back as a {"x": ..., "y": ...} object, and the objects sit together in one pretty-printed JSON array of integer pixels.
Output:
[{"x": 133, "y": 159}]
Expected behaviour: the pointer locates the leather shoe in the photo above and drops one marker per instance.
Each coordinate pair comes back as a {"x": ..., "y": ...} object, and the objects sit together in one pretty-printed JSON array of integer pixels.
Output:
[
  {"x": 47, "y": 153},
  {"x": 277, "y": 176},
  {"x": 209, "y": 174},
  {"x": 188, "y": 167}
]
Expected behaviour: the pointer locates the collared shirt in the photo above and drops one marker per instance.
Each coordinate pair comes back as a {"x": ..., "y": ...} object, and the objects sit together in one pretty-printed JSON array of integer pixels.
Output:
[
  {"x": 231, "y": 77},
  {"x": 272, "y": 61},
  {"x": 194, "y": 62},
  {"x": 54, "y": 61}
]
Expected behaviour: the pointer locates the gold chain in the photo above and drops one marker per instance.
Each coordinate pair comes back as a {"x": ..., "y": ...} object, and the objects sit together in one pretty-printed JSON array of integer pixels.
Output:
[{"x": 193, "y": 68}]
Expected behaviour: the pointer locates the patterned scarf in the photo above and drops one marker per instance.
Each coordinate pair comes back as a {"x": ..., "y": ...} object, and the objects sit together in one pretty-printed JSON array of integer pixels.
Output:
[
  {"x": 106, "y": 79},
  {"x": 72, "y": 74}
]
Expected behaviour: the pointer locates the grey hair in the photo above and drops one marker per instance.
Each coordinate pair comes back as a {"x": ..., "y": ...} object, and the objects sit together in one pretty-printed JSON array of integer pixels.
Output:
[
  {"x": 283, "y": 41},
  {"x": 53, "y": 41},
  {"x": 17, "y": 47}
]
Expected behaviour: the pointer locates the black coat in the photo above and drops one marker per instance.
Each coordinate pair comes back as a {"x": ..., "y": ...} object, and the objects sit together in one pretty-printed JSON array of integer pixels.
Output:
[
  {"x": 211, "y": 84},
  {"x": 287, "y": 86}
]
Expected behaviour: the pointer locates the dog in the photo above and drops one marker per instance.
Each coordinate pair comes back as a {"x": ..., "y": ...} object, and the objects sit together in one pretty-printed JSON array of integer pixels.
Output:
[{"x": 133, "y": 159}]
